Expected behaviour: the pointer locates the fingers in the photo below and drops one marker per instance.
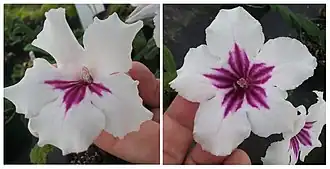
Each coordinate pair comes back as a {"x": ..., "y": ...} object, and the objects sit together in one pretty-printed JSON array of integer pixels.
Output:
[
  {"x": 183, "y": 112},
  {"x": 237, "y": 157},
  {"x": 136, "y": 147},
  {"x": 178, "y": 125},
  {"x": 199, "y": 156},
  {"x": 156, "y": 112},
  {"x": 176, "y": 141},
  {"x": 148, "y": 84}
]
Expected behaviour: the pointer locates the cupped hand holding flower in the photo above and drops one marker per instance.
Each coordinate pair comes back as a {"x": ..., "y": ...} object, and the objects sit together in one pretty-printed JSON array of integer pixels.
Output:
[
  {"x": 141, "y": 146},
  {"x": 178, "y": 138},
  {"x": 89, "y": 91},
  {"x": 240, "y": 82}
]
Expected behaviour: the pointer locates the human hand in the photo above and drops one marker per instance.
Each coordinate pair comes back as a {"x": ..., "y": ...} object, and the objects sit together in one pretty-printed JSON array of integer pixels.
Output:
[
  {"x": 178, "y": 126},
  {"x": 141, "y": 146}
]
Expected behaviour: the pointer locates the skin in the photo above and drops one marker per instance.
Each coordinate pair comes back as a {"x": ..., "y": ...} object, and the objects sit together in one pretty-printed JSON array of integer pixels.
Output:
[{"x": 143, "y": 146}]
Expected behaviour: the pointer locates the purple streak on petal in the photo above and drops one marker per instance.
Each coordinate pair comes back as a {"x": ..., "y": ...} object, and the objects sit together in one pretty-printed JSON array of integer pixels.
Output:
[
  {"x": 304, "y": 138},
  {"x": 228, "y": 95},
  {"x": 222, "y": 86},
  {"x": 69, "y": 92},
  {"x": 232, "y": 104},
  {"x": 232, "y": 63},
  {"x": 80, "y": 95},
  {"x": 246, "y": 64},
  {"x": 75, "y": 91},
  {"x": 61, "y": 84},
  {"x": 250, "y": 100},
  {"x": 227, "y": 73},
  {"x": 258, "y": 97},
  {"x": 95, "y": 90},
  {"x": 309, "y": 125},
  {"x": 70, "y": 97},
  {"x": 259, "y": 90},
  {"x": 261, "y": 80},
  {"x": 295, "y": 146},
  {"x": 101, "y": 87},
  {"x": 254, "y": 68},
  {"x": 220, "y": 79},
  {"x": 239, "y": 59},
  {"x": 240, "y": 100},
  {"x": 261, "y": 72}
]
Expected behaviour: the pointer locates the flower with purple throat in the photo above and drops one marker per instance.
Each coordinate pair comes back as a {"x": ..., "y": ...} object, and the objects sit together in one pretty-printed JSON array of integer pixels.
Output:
[
  {"x": 303, "y": 139},
  {"x": 88, "y": 91},
  {"x": 241, "y": 82}
]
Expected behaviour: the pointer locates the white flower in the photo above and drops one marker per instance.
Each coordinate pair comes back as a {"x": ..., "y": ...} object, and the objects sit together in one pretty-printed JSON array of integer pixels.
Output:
[
  {"x": 88, "y": 92},
  {"x": 240, "y": 82},
  {"x": 303, "y": 139},
  {"x": 143, "y": 11}
]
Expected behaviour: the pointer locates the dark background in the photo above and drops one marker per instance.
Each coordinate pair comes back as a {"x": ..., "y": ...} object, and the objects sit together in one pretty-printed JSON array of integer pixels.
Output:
[{"x": 184, "y": 28}]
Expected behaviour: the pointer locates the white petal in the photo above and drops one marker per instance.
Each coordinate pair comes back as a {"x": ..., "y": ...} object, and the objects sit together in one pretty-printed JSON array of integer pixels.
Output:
[
  {"x": 143, "y": 12},
  {"x": 157, "y": 29},
  {"x": 73, "y": 132},
  {"x": 34, "y": 133},
  {"x": 234, "y": 25},
  {"x": 278, "y": 153},
  {"x": 58, "y": 40},
  {"x": 31, "y": 93},
  {"x": 108, "y": 45},
  {"x": 315, "y": 113},
  {"x": 217, "y": 135},
  {"x": 277, "y": 119},
  {"x": 299, "y": 123},
  {"x": 123, "y": 108},
  {"x": 190, "y": 82},
  {"x": 292, "y": 60}
]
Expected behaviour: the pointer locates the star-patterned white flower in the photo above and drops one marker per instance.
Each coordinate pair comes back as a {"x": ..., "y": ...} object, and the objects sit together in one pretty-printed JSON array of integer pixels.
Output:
[
  {"x": 240, "y": 82},
  {"x": 303, "y": 139},
  {"x": 143, "y": 11},
  {"x": 89, "y": 91}
]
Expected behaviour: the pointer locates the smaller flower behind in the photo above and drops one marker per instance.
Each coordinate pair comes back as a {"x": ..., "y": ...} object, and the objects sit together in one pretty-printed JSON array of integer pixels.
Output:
[
  {"x": 143, "y": 11},
  {"x": 303, "y": 139},
  {"x": 241, "y": 82},
  {"x": 89, "y": 91}
]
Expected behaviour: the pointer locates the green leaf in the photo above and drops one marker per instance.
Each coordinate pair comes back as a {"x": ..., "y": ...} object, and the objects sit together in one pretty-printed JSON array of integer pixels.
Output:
[
  {"x": 299, "y": 22},
  {"x": 152, "y": 53},
  {"x": 168, "y": 77},
  {"x": 38, "y": 155},
  {"x": 169, "y": 63},
  {"x": 24, "y": 29},
  {"x": 30, "y": 47},
  {"x": 146, "y": 50},
  {"x": 139, "y": 42},
  {"x": 157, "y": 73}
]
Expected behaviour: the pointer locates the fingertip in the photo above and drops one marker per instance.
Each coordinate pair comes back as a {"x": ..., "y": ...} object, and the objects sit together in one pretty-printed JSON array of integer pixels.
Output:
[
  {"x": 238, "y": 157},
  {"x": 199, "y": 156},
  {"x": 183, "y": 111},
  {"x": 105, "y": 141},
  {"x": 149, "y": 89}
]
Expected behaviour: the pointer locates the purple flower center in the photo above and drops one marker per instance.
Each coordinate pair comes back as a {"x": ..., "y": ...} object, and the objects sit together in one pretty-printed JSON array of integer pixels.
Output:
[
  {"x": 242, "y": 80},
  {"x": 303, "y": 137},
  {"x": 74, "y": 91}
]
